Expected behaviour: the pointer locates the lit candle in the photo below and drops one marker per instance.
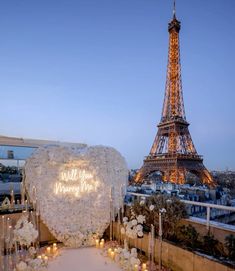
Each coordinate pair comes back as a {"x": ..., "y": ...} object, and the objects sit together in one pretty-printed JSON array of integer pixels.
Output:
[
  {"x": 54, "y": 245},
  {"x": 46, "y": 259},
  {"x": 101, "y": 244},
  {"x": 136, "y": 267},
  {"x": 97, "y": 241},
  {"x": 144, "y": 266},
  {"x": 48, "y": 250},
  {"x": 112, "y": 255},
  {"x": 109, "y": 251},
  {"x": 39, "y": 257}
]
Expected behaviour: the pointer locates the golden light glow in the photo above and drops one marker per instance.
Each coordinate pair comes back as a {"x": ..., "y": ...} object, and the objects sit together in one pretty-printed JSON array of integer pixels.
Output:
[{"x": 75, "y": 182}]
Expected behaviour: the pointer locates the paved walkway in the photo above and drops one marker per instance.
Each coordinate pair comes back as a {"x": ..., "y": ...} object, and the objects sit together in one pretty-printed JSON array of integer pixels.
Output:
[{"x": 82, "y": 259}]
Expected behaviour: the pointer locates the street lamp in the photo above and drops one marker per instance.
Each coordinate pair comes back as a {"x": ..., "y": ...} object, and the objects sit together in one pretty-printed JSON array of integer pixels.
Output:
[{"x": 161, "y": 211}]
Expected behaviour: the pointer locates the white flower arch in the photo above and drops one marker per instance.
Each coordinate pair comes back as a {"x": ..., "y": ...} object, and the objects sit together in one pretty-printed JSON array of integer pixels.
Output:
[{"x": 73, "y": 187}]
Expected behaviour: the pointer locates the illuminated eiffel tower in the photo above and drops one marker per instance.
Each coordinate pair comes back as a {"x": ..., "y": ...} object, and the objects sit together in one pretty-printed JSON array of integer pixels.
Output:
[{"x": 173, "y": 152}]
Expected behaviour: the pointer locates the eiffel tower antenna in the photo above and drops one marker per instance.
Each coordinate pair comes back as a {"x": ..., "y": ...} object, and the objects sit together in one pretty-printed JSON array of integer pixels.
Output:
[{"x": 174, "y": 10}]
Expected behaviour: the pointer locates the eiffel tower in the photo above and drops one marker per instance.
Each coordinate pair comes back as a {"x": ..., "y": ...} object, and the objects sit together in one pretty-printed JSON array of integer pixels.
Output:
[{"x": 173, "y": 152}]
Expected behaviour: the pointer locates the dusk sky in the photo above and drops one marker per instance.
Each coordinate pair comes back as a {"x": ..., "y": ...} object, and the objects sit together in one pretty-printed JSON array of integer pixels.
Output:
[{"x": 94, "y": 71}]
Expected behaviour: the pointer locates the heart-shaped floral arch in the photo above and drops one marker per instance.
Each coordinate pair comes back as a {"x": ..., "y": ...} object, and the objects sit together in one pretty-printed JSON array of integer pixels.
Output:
[{"x": 73, "y": 187}]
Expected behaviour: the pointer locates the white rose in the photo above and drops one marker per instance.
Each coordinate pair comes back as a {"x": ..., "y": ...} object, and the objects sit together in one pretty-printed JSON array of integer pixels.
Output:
[
  {"x": 141, "y": 219},
  {"x": 142, "y": 202},
  {"x": 133, "y": 261},
  {"x": 139, "y": 227},
  {"x": 134, "y": 252},
  {"x": 140, "y": 234},
  {"x": 134, "y": 222},
  {"x": 126, "y": 255},
  {"x": 125, "y": 219},
  {"x": 151, "y": 207},
  {"x": 22, "y": 266}
]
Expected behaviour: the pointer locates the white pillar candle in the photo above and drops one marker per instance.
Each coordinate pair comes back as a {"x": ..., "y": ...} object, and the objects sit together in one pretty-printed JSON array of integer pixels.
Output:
[
  {"x": 97, "y": 241},
  {"x": 109, "y": 252},
  {"x": 112, "y": 255},
  {"x": 144, "y": 266},
  {"x": 46, "y": 259},
  {"x": 3, "y": 226},
  {"x": 48, "y": 250}
]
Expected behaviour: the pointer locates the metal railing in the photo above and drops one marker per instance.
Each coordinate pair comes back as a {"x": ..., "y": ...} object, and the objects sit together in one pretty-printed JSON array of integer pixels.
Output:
[{"x": 208, "y": 206}]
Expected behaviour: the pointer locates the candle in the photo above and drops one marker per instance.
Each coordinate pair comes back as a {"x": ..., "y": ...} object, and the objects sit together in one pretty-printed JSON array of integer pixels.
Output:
[
  {"x": 54, "y": 249},
  {"x": 22, "y": 192},
  {"x": 101, "y": 244},
  {"x": 26, "y": 205},
  {"x": 3, "y": 226},
  {"x": 39, "y": 257},
  {"x": 136, "y": 267},
  {"x": 7, "y": 227},
  {"x": 102, "y": 240},
  {"x": 48, "y": 250},
  {"x": 12, "y": 198},
  {"x": 109, "y": 251},
  {"x": 112, "y": 255},
  {"x": 97, "y": 241},
  {"x": 144, "y": 266},
  {"x": 54, "y": 245},
  {"x": 46, "y": 259}
]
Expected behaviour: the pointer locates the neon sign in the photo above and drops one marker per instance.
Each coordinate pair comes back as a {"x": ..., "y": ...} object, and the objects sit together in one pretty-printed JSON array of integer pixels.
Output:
[{"x": 75, "y": 182}]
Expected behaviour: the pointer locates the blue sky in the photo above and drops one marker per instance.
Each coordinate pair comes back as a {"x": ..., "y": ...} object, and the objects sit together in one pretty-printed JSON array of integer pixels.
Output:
[{"x": 94, "y": 71}]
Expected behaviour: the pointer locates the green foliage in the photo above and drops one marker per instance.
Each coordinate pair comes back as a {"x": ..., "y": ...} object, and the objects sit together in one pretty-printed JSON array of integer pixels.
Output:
[
  {"x": 230, "y": 245},
  {"x": 212, "y": 246},
  {"x": 189, "y": 237},
  {"x": 175, "y": 211}
]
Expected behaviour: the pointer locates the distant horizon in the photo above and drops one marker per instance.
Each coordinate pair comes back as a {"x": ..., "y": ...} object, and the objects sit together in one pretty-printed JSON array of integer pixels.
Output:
[
  {"x": 52, "y": 140},
  {"x": 94, "y": 72}
]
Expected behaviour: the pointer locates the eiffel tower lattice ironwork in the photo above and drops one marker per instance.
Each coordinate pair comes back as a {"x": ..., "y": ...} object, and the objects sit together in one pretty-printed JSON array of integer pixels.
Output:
[{"x": 173, "y": 152}]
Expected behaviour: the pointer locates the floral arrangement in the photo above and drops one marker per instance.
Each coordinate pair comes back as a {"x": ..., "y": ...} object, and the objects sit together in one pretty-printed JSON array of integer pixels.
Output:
[
  {"x": 125, "y": 257},
  {"x": 24, "y": 231},
  {"x": 76, "y": 210},
  {"x": 172, "y": 208},
  {"x": 133, "y": 228},
  {"x": 32, "y": 265}
]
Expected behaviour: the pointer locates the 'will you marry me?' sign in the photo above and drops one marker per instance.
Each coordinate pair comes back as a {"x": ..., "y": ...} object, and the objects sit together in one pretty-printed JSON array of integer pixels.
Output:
[{"x": 76, "y": 182}]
